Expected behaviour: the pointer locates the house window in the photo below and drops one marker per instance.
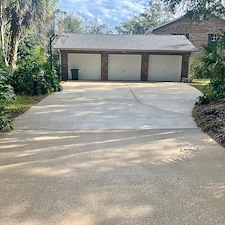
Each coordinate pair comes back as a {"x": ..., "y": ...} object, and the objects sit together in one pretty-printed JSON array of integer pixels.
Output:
[
  {"x": 185, "y": 34},
  {"x": 212, "y": 38}
]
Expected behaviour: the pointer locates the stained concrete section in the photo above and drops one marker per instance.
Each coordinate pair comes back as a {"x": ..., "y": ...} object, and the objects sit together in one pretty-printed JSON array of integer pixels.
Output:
[
  {"x": 114, "y": 105},
  {"x": 120, "y": 177}
]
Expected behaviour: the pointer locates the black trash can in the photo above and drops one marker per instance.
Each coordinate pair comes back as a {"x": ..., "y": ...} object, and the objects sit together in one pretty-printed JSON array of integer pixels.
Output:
[{"x": 74, "y": 73}]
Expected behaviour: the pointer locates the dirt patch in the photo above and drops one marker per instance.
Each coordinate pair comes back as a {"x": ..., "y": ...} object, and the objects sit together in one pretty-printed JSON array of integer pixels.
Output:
[{"x": 211, "y": 119}]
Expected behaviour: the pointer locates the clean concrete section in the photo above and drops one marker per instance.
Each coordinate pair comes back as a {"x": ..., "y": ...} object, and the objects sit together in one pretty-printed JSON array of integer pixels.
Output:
[
  {"x": 114, "y": 105},
  {"x": 111, "y": 177}
]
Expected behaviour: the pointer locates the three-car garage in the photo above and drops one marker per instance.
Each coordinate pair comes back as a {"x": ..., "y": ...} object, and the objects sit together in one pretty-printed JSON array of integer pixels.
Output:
[
  {"x": 125, "y": 57},
  {"x": 126, "y": 67}
]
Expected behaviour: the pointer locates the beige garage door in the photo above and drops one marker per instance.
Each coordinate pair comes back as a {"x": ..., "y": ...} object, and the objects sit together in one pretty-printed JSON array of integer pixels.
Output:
[
  {"x": 89, "y": 66},
  {"x": 124, "y": 67},
  {"x": 164, "y": 68}
]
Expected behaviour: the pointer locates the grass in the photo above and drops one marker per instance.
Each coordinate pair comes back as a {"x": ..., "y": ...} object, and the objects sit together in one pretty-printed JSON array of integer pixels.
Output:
[
  {"x": 200, "y": 87},
  {"x": 201, "y": 81},
  {"x": 22, "y": 103},
  {"x": 200, "y": 84}
]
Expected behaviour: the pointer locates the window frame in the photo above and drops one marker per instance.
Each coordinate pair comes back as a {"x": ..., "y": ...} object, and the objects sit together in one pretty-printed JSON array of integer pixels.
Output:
[
  {"x": 212, "y": 38},
  {"x": 187, "y": 35}
]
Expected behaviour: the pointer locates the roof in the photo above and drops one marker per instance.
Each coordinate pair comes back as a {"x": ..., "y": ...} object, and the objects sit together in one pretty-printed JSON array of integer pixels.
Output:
[
  {"x": 164, "y": 24},
  {"x": 116, "y": 42}
]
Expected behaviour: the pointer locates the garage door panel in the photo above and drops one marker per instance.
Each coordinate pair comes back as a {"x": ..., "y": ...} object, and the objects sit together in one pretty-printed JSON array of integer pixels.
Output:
[
  {"x": 164, "y": 68},
  {"x": 124, "y": 67},
  {"x": 89, "y": 66}
]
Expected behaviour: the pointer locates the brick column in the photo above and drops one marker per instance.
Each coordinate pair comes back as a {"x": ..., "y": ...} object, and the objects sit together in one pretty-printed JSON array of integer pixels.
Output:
[
  {"x": 104, "y": 66},
  {"x": 64, "y": 64},
  {"x": 144, "y": 66},
  {"x": 185, "y": 65}
]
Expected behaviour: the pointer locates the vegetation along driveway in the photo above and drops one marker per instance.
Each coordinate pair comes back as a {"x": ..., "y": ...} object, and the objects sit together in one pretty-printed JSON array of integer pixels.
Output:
[{"x": 112, "y": 153}]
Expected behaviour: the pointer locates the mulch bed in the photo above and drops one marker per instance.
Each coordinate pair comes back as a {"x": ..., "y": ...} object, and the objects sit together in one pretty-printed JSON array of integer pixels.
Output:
[{"x": 211, "y": 119}]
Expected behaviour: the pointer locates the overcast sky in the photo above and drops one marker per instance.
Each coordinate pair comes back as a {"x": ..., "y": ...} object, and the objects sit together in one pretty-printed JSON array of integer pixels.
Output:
[{"x": 109, "y": 11}]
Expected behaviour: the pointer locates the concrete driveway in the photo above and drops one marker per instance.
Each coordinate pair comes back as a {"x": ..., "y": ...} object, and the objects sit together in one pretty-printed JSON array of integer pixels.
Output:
[
  {"x": 90, "y": 156},
  {"x": 114, "y": 105}
]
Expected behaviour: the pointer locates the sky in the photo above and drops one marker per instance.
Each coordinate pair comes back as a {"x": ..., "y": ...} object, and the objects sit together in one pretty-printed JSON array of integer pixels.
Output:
[{"x": 107, "y": 11}]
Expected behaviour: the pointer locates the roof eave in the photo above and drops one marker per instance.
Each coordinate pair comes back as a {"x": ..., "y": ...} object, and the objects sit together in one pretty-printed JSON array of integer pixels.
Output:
[{"x": 128, "y": 50}]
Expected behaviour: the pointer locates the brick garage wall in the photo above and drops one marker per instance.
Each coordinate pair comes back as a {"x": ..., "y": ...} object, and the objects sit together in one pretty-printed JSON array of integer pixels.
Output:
[
  {"x": 64, "y": 64},
  {"x": 144, "y": 66},
  {"x": 104, "y": 62},
  {"x": 104, "y": 66},
  {"x": 185, "y": 66},
  {"x": 198, "y": 31}
]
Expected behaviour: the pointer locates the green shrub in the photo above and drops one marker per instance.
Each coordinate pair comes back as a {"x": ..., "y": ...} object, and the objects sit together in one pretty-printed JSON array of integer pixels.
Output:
[
  {"x": 6, "y": 95},
  {"x": 194, "y": 67},
  {"x": 34, "y": 76},
  {"x": 195, "y": 70},
  {"x": 213, "y": 64}
]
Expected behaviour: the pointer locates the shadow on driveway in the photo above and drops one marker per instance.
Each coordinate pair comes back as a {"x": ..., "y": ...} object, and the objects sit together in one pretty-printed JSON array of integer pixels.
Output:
[{"x": 111, "y": 177}]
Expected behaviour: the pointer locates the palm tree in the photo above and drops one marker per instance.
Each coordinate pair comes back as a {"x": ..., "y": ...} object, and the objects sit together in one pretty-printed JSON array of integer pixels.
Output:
[{"x": 213, "y": 60}]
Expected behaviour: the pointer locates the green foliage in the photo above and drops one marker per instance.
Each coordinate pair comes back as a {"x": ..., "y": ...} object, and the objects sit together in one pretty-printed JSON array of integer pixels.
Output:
[
  {"x": 152, "y": 16},
  {"x": 71, "y": 23},
  {"x": 213, "y": 92},
  {"x": 27, "y": 46},
  {"x": 96, "y": 27},
  {"x": 6, "y": 95},
  {"x": 34, "y": 75},
  {"x": 23, "y": 20},
  {"x": 203, "y": 100},
  {"x": 195, "y": 70},
  {"x": 213, "y": 64},
  {"x": 79, "y": 24},
  {"x": 197, "y": 8}
]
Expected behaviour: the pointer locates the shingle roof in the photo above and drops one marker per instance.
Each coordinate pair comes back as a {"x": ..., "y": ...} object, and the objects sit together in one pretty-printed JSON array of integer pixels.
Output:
[{"x": 113, "y": 42}]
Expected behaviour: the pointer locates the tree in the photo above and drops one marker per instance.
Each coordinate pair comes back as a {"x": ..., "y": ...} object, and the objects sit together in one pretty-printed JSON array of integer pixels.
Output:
[
  {"x": 96, "y": 27},
  {"x": 20, "y": 15},
  {"x": 196, "y": 8},
  {"x": 152, "y": 16},
  {"x": 71, "y": 23},
  {"x": 213, "y": 60},
  {"x": 79, "y": 24},
  {"x": 2, "y": 26},
  {"x": 212, "y": 63}
]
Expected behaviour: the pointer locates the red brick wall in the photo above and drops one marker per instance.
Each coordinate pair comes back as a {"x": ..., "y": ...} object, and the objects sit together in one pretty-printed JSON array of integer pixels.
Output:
[
  {"x": 198, "y": 31},
  {"x": 104, "y": 66}
]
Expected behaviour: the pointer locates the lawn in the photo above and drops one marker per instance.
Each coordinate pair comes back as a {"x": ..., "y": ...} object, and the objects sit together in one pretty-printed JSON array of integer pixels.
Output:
[
  {"x": 22, "y": 103},
  {"x": 200, "y": 84},
  {"x": 201, "y": 81}
]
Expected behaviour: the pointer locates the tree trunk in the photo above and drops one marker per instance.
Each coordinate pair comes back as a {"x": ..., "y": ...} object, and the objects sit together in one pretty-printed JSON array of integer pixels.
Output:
[
  {"x": 2, "y": 32},
  {"x": 15, "y": 38}
]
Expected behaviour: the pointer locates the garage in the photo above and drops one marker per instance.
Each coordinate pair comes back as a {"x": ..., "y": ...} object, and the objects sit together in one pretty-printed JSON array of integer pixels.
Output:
[
  {"x": 89, "y": 66},
  {"x": 124, "y": 67},
  {"x": 164, "y": 68},
  {"x": 125, "y": 57}
]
